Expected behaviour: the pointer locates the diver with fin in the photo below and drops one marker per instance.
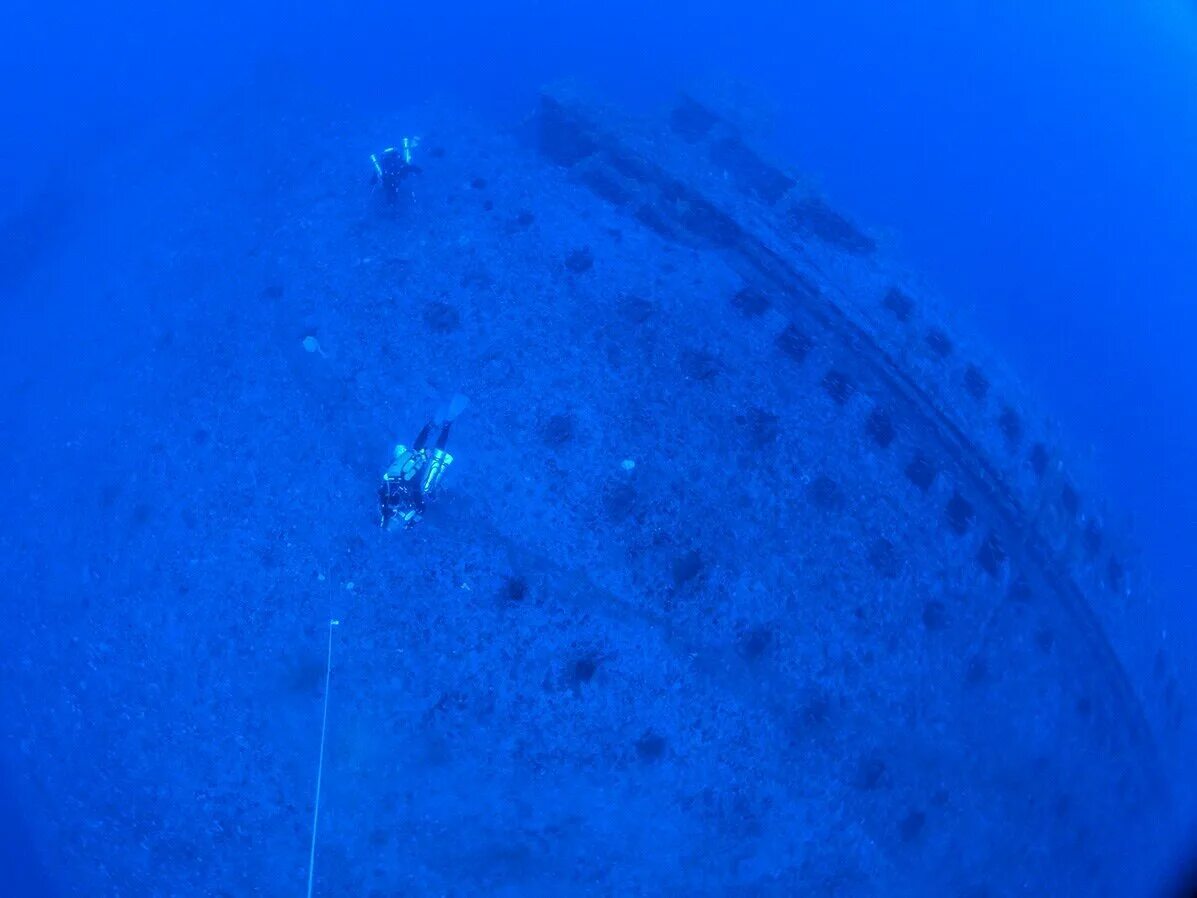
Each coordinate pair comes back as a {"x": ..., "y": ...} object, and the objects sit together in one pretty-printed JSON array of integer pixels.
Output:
[
  {"x": 416, "y": 471},
  {"x": 392, "y": 165}
]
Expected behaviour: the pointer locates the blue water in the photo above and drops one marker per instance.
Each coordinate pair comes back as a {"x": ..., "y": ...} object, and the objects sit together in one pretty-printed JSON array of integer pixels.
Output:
[{"x": 1036, "y": 163}]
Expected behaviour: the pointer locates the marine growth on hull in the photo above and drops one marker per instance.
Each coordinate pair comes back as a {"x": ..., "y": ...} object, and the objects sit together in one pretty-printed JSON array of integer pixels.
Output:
[{"x": 752, "y": 573}]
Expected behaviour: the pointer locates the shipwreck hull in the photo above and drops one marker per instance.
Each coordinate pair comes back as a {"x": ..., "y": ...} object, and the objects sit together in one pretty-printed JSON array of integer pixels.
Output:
[{"x": 754, "y": 575}]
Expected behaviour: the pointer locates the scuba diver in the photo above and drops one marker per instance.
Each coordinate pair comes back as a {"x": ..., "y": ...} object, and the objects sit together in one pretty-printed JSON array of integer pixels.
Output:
[
  {"x": 416, "y": 471},
  {"x": 392, "y": 165}
]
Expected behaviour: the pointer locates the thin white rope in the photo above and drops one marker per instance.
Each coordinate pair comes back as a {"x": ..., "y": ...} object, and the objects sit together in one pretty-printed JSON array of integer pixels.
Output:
[{"x": 320, "y": 766}]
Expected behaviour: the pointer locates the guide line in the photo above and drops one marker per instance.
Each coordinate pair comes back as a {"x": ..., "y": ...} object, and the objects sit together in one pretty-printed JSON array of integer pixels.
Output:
[{"x": 320, "y": 765}]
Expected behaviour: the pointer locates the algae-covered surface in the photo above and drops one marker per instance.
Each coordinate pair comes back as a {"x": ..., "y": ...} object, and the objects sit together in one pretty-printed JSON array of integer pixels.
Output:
[{"x": 754, "y": 574}]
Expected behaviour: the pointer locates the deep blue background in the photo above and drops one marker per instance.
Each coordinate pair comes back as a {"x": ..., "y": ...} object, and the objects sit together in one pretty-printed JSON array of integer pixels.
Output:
[{"x": 1037, "y": 161}]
